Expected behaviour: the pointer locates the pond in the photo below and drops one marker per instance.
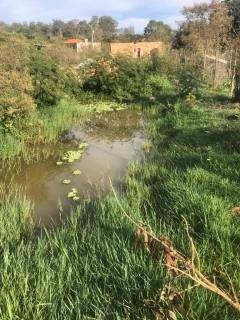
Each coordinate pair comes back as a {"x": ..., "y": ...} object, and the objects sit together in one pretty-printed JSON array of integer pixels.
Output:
[{"x": 113, "y": 138}]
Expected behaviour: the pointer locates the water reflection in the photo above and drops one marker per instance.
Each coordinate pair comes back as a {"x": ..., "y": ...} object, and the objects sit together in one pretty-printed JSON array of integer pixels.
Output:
[{"x": 114, "y": 138}]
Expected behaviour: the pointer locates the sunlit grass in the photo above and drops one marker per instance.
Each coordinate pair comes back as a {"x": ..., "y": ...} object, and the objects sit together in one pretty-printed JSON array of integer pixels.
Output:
[{"x": 88, "y": 268}]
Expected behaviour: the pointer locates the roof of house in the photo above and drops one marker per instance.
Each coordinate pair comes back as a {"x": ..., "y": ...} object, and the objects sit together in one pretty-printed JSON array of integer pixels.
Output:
[{"x": 72, "y": 41}]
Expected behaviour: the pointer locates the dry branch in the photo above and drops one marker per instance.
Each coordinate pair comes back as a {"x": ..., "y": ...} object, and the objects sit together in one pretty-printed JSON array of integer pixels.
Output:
[{"x": 172, "y": 256}]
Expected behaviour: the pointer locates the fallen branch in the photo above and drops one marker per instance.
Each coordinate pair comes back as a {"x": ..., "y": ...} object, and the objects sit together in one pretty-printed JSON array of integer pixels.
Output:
[{"x": 191, "y": 271}]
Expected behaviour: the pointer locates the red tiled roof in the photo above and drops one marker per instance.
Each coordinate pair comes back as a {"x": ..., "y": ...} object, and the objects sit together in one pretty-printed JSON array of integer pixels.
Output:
[{"x": 72, "y": 41}]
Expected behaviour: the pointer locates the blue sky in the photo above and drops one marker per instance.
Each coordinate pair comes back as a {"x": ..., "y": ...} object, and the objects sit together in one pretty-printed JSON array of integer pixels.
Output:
[{"x": 127, "y": 12}]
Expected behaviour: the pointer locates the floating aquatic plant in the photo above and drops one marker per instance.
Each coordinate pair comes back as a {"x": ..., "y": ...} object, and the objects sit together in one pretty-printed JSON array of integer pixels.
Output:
[
  {"x": 77, "y": 172},
  {"x": 107, "y": 107},
  {"x": 74, "y": 155},
  {"x": 66, "y": 181},
  {"x": 73, "y": 194}
]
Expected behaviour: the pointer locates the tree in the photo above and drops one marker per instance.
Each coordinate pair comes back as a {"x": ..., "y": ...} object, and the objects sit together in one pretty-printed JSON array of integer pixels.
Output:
[
  {"x": 108, "y": 26},
  {"x": 96, "y": 31},
  {"x": 71, "y": 29},
  {"x": 84, "y": 29},
  {"x": 58, "y": 28},
  {"x": 234, "y": 8},
  {"x": 206, "y": 27},
  {"x": 157, "y": 30}
]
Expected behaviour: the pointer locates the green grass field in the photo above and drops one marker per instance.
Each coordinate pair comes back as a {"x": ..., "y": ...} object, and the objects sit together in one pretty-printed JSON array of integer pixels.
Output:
[{"x": 89, "y": 268}]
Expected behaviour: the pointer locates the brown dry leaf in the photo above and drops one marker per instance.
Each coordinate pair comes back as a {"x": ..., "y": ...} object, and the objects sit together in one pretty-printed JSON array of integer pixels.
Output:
[
  {"x": 236, "y": 210},
  {"x": 170, "y": 262},
  {"x": 138, "y": 236},
  {"x": 146, "y": 240},
  {"x": 171, "y": 258}
]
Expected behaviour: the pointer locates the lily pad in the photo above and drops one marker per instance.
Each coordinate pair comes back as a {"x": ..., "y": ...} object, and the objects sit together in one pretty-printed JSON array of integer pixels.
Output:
[
  {"x": 66, "y": 181},
  {"x": 73, "y": 194},
  {"x": 77, "y": 172}
]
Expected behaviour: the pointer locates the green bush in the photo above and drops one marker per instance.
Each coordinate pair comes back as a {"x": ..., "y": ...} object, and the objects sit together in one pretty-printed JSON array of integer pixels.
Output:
[
  {"x": 15, "y": 81},
  {"x": 157, "y": 86},
  {"x": 123, "y": 78},
  {"x": 72, "y": 85},
  {"x": 47, "y": 79},
  {"x": 130, "y": 76},
  {"x": 190, "y": 78},
  {"x": 97, "y": 76},
  {"x": 163, "y": 64}
]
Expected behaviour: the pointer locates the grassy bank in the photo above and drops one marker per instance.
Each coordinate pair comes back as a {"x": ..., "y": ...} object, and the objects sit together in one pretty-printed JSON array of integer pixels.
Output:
[
  {"x": 44, "y": 127},
  {"x": 39, "y": 127},
  {"x": 89, "y": 267}
]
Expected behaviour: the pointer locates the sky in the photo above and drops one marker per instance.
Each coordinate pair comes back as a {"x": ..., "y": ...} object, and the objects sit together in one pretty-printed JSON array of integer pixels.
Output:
[{"x": 136, "y": 13}]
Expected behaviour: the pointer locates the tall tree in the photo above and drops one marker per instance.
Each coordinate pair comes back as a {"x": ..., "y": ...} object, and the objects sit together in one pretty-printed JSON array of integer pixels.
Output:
[
  {"x": 158, "y": 30},
  {"x": 84, "y": 29},
  {"x": 96, "y": 31},
  {"x": 58, "y": 28},
  {"x": 234, "y": 7},
  {"x": 71, "y": 29},
  {"x": 108, "y": 26}
]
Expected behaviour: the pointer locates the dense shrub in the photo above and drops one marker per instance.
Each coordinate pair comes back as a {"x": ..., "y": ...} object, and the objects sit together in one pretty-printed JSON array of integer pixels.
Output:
[
  {"x": 47, "y": 79},
  {"x": 97, "y": 76},
  {"x": 122, "y": 77},
  {"x": 15, "y": 81},
  {"x": 157, "y": 86},
  {"x": 72, "y": 85},
  {"x": 189, "y": 77},
  {"x": 61, "y": 53},
  {"x": 130, "y": 76},
  {"x": 164, "y": 64}
]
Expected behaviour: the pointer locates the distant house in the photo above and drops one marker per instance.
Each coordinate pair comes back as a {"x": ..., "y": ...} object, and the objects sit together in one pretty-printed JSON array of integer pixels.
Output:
[
  {"x": 80, "y": 45},
  {"x": 137, "y": 49}
]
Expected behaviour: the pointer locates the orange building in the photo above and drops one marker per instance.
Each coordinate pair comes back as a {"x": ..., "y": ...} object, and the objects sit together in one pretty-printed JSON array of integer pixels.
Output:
[{"x": 137, "y": 49}]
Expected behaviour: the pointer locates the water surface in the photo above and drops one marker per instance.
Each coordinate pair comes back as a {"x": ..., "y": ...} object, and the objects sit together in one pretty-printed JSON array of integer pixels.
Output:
[{"x": 114, "y": 139}]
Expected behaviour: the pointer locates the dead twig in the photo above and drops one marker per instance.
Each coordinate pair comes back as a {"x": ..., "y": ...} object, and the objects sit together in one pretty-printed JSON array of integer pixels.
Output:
[{"x": 172, "y": 256}]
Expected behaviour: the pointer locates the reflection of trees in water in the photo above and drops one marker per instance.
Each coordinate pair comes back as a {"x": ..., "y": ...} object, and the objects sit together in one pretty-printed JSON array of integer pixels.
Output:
[{"x": 111, "y": 126}]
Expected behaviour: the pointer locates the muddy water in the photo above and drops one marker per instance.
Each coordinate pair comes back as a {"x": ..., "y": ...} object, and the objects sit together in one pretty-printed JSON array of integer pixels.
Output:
[{"x": 114, "y": 139}]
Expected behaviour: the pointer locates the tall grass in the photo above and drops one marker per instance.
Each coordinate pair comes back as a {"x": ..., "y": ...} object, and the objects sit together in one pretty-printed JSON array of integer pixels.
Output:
[
  {"x": 88, "y": 268},
  {"x": 40, "y": 127}
]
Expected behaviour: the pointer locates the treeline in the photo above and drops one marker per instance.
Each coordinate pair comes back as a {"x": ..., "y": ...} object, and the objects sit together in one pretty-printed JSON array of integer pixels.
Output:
[{"x": 103, "y": 28}]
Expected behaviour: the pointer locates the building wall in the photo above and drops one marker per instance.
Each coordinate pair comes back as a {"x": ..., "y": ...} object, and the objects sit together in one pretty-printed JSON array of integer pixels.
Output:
[
  {"x": 88, "y": 45},
  {"x": 136, "y": 49}
]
